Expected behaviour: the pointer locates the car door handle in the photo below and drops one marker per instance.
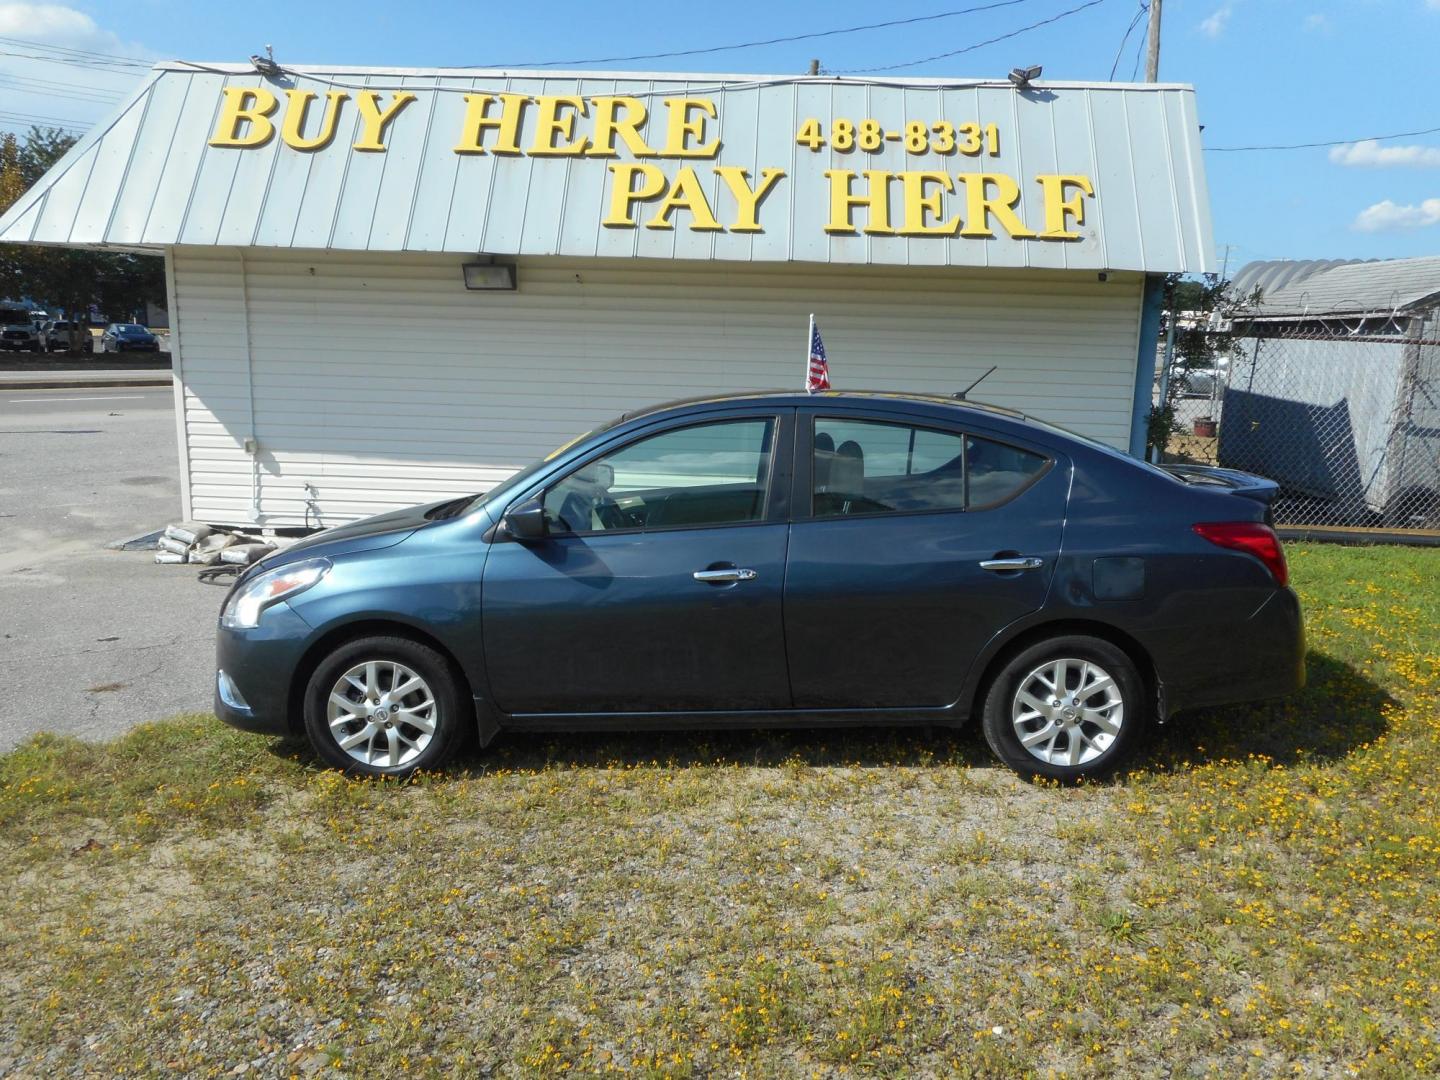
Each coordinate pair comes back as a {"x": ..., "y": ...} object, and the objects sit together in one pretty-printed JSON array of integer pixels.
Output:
[
  {"x": 714, "y": 577},
  {"x": 1018, "y": 562}
]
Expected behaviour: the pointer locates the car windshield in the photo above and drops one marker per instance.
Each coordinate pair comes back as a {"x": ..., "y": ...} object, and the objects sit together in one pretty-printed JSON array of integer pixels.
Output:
[
  {"x": 129, "y": 328},
  {"x": 519, "y": 478}
]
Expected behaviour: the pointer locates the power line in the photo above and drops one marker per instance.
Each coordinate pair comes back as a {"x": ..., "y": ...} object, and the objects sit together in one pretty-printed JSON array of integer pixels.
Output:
[
  {"x": 76, "y": 87},
  {"x": 86, "y": 53},
  {"x": 766, "y": 41},
  {"x": 113, "y": 68},
  {"x": 1140, "y": 49},
  {"x": 978, "y": 45},
  {"x": 1139, "y": 14},
  {"x": 42, "y": 122},
  {"x": 77, "y": 98},
  {"x": 22, "y": 85},
  {"x": 36, "y": 116},
  {"x": 463, "y": 85},
  {"x": 1317, "y": 145}
]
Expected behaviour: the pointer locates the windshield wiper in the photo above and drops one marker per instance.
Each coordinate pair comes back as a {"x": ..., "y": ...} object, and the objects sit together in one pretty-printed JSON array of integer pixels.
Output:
[{"x": 453, "y": 508}]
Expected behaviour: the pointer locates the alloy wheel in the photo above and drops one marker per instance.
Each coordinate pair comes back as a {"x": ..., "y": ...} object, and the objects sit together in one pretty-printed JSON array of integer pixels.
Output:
[
  {"x": 1067, "y": 712},
  {"x": 382, "y": 713}
]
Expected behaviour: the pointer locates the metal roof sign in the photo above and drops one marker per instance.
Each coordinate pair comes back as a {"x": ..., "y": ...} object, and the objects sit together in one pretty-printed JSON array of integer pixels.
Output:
[{"x": 817, "y": 169}]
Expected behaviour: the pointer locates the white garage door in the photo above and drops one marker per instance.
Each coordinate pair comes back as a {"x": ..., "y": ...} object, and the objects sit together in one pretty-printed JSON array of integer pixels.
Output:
[{"x": 380, "y": 382}]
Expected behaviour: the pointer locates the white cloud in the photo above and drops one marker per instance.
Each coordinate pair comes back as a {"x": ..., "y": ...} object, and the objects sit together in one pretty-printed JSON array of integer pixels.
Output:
[
  {"x": 40, "y": 88},
  {"x": 1371, "y": 153},
  {"x": 56, "y": 24},
  {"x": 1389, "y": 216},
  {"x": 1214, "y": 25},
  {"x": 1318, "y": 23}
]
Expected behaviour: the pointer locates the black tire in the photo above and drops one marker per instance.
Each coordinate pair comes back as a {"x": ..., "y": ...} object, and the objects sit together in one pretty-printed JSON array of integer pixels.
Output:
[
  {"x": 998, "y": 716},
  {"x": 453, "y": 715}
]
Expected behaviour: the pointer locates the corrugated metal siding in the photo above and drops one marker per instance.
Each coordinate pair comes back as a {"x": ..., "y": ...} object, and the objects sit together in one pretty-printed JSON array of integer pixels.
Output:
[
  {"x": 382, "y": 382},
  {"x": 1320, "y": 287},
  {"x": 148, "y": 177}
]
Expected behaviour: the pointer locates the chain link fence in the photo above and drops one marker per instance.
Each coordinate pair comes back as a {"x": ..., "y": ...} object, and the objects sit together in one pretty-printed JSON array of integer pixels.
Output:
[{"x": 1343, "y": 414}]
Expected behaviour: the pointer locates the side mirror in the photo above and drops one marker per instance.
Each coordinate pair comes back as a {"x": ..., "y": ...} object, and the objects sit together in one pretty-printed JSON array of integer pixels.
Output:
[{"x": 527, "y": 522}]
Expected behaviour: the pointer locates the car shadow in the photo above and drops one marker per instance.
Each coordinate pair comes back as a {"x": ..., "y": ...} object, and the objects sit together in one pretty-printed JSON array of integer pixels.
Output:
[
  {"x": 1339, "y": 710},
  {"x": 860, "y": 747}
]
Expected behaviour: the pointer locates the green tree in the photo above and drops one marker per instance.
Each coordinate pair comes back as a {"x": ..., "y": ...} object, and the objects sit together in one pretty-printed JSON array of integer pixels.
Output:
[
  {"x": 73, "y": 279},
  {"x": 12, "y": 180},
  {"x": 1202, "y": 311}
]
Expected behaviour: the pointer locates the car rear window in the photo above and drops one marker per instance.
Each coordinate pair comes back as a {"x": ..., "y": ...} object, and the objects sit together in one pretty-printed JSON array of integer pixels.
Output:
[{"x": 1104, "y": 448}]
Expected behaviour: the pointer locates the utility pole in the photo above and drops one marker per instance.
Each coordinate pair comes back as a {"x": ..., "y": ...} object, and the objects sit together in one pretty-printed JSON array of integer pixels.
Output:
[
  {"x": 1152, "y": 54},
  {"x": 814, "y": 67}
]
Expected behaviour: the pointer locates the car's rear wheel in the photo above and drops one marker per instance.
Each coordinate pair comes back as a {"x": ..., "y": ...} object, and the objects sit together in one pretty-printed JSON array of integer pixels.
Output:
[
  {"x": 385, "y": 706},
  {"x": 1067, "y": 708}
]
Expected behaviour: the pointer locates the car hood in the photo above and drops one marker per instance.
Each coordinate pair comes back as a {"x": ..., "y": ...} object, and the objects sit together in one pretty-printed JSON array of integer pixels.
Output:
[{"x": 368, "y": 534}]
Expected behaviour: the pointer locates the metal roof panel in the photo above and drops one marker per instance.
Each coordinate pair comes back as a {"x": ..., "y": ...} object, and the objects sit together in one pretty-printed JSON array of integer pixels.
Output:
[{"x": 157, "y": 181}]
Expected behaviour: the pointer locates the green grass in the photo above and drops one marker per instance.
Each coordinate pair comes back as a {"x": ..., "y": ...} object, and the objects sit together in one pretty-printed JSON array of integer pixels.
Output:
[{"x": 1256, "y": 896}]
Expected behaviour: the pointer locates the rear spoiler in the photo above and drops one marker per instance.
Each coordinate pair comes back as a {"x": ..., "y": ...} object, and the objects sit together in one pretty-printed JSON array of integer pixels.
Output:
[{"x": 1232, "y": 480}]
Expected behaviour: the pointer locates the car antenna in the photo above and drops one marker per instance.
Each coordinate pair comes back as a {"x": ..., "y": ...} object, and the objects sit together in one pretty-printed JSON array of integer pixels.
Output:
[{"x": 961, "y": 395}]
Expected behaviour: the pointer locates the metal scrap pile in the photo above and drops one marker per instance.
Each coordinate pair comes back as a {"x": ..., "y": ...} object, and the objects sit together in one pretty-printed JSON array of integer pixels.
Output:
[{"x": 193, "y": 542}]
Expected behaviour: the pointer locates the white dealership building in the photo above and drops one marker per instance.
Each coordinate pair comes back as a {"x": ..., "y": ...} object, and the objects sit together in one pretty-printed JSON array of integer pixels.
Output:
[{"x": 391, "y": 286}]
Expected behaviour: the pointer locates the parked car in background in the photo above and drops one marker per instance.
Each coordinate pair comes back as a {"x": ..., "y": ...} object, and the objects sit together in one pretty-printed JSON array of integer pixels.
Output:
[
  {"x": 778, "y": 559},
  {"x": 17, "y": 332},
  {"x": 56, "y": 336},
  {"x": 128, "y": 337}
]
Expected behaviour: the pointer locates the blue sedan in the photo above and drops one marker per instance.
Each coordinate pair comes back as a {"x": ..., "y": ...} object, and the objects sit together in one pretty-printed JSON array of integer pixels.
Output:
[
  {"x": 778, "y": 559},
  {"x": 128, "y": 337}
]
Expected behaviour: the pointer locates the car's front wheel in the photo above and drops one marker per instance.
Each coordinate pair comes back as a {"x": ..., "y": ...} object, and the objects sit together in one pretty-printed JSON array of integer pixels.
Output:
[
  {"x": 1067, "y": 708},
  {"x": 385, "y": 706}
]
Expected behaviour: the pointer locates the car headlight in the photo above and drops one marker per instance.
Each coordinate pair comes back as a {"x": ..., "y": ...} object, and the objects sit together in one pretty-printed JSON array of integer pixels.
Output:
[{"x": 242, "y": 610}]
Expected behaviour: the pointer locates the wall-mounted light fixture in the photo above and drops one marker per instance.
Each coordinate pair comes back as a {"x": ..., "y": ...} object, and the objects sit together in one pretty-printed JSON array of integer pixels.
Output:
[
  {"x": 489, "y": 276},
  {"x": 1023, "y": 77}
]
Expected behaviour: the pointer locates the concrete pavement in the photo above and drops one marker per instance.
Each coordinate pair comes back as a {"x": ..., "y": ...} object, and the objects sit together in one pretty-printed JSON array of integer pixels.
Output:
[{"x": 94, "y": 641}]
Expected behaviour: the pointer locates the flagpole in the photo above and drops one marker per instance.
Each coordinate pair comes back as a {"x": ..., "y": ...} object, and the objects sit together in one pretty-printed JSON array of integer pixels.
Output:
[{"x": 809, "y": 340}]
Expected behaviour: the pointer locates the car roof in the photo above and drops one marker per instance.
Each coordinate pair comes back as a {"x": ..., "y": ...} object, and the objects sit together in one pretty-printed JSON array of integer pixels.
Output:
[{"x": 844, "y": 399}]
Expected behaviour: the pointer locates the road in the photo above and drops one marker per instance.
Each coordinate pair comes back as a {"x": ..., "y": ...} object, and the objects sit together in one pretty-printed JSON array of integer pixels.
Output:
[{"x": 94, "y": 641}]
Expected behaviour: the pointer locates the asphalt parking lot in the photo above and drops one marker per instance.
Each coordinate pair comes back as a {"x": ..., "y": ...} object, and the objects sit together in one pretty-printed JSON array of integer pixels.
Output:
[{"x": 94, "y": 641}]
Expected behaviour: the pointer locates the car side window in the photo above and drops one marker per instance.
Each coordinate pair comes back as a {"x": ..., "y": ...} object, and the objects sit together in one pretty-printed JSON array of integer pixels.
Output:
[
  {"x": 996, "y": 472},
  {"x": 703, "y": 474},
  {"x": 873, "y": 467}
]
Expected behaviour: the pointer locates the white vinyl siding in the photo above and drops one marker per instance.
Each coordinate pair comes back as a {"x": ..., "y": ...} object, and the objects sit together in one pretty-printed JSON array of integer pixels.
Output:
[{"x": 382, "y": 382}]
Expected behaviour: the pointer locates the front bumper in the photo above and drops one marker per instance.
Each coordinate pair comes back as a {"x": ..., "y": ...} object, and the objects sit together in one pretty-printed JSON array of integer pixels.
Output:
[{"x": 259, "y": 665}]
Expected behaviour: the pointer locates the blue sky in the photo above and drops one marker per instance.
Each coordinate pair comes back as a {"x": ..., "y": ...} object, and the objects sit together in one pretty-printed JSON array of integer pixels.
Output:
[{"x": 1266, "y": 72}]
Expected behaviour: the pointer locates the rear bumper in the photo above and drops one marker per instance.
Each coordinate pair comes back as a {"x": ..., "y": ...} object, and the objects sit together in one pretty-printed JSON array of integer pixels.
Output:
[
  {"x": 255, "y": 672},
  {"x": 1262, "y": 657}
]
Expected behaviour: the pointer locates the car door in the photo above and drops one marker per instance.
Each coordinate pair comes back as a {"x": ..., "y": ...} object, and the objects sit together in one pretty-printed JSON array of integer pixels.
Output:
[
  {"x": 659, "y": 588},
  {"x": 914, "y": 543}
]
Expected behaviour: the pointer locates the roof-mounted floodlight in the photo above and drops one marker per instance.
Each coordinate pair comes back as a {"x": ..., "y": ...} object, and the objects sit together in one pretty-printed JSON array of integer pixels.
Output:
[
  {"x": 266, "y": 64},
  {"x": 1023, "y": 77}
]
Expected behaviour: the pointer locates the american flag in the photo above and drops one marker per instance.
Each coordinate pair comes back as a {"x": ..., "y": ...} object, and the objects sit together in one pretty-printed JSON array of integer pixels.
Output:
[{"x": 817, "y": 367}]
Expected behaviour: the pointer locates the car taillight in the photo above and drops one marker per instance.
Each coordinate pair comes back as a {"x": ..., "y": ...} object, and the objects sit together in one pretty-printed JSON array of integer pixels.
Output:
[{"x": 1252, "y": 538}]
